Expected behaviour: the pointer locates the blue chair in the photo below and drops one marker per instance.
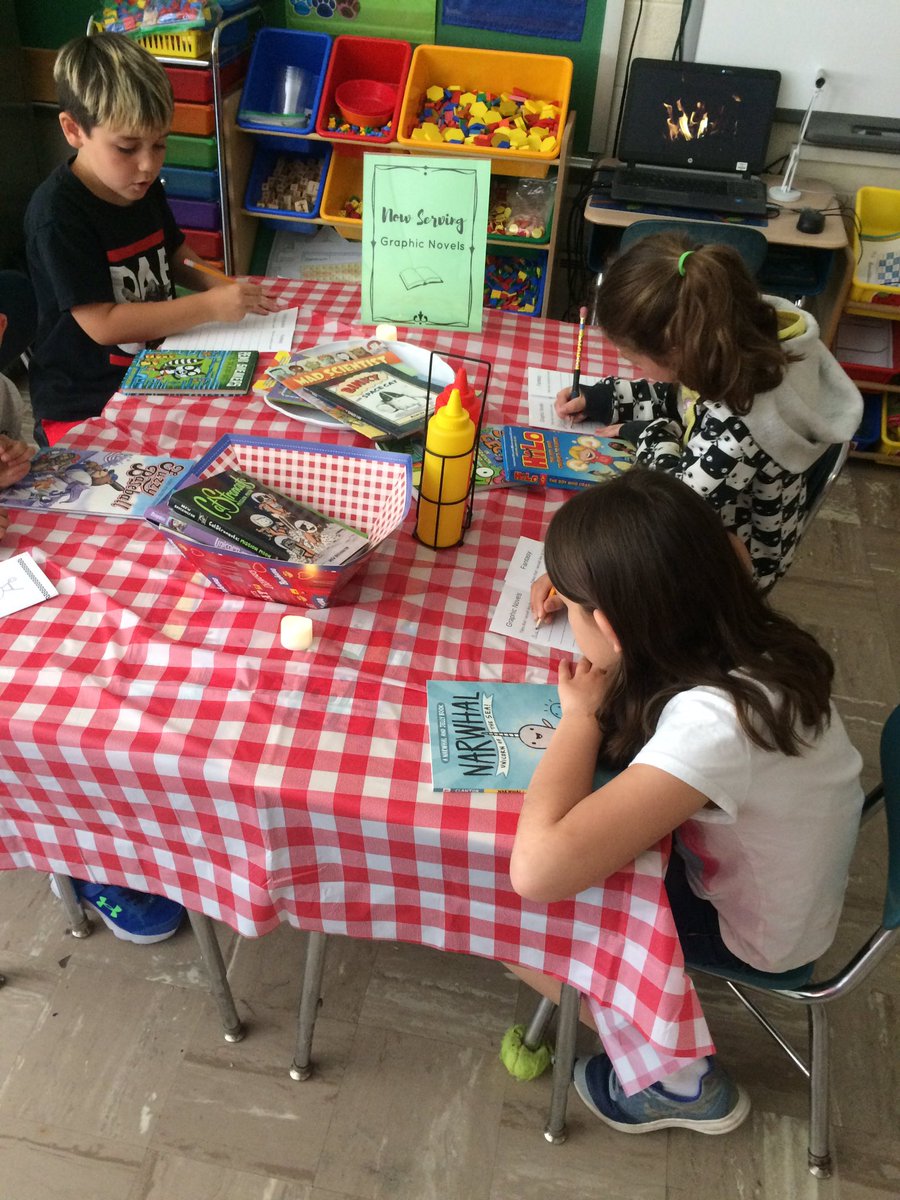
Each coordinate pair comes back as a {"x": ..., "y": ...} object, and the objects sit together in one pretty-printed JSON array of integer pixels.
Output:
[
  {"x": 749, "y": 242},
  {"x": 793, "y": 986}
]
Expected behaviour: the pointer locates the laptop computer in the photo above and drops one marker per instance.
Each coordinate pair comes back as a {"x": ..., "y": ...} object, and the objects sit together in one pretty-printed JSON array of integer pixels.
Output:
[{"x": 694, "y": 135}]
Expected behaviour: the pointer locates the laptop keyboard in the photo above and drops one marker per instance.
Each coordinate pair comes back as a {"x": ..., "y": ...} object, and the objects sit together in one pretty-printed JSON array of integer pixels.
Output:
[{"x": 685, "y": 191}]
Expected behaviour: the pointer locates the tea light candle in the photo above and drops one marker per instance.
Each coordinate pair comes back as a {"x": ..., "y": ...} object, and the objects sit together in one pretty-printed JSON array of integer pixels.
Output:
[
  {"x": 296, "y": 632},
  {"x": 386, "y": 333}
]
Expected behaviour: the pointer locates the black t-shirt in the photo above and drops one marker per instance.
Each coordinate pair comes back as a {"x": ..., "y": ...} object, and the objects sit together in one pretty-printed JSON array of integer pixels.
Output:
[{"x": 84, "y": 250}]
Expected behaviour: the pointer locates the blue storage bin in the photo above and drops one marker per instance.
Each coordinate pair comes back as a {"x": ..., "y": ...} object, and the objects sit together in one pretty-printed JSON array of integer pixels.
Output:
[
  {"x": 264, "y": 164},
  {"x": 273, "y": 50},
  {"x": 186, "y": 184}
]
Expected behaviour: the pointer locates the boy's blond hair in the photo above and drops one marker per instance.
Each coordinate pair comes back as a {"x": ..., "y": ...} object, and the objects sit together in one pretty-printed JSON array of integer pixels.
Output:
[{"x": 109, "y": 80}]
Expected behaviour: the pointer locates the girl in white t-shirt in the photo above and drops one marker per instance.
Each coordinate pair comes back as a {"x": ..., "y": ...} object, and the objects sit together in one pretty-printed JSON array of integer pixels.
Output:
[{"x": 717, "y": 711}]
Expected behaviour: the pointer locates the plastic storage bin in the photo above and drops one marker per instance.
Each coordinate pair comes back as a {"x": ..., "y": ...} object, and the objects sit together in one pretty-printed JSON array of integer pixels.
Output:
[
  {"x": 369, "y": 489},
  {"x": 868, "y": 435},
  {"x": 273, "y": 50},
  {"x": 498, "y": 276},
  {"x": 890, "y": 424},
  {"x": 860, "y": 341},
  {"x": 185, "y": 151},
  {"x": 541, "y": 76},
  {"x": 876, "y": 243},
  {"x": 196, "y": 119},
  {"x": 188, "y": 183},
  {"x": 265, "y": 161},
  {"x": 207, "y": 243},
  {"x": 382, "y": 59},
  {"x": 196, "y": 214},
  {"x": 194, "y": 85},
  {"x": 344, "y": 179}
]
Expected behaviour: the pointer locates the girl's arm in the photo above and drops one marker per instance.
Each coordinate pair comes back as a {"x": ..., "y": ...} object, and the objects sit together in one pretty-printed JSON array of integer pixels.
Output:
[
  {"x": 719, "y": 460},
  {"x": 571, "y": 837},
  {"x": 613, "y": 400}
]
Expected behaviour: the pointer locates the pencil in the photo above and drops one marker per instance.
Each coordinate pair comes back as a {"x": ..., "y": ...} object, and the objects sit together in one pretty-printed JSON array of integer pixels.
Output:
[
  {"x": 539, "y": 622},
  {"x": 205, "y": 269},
  {"x": 582, "y": 317}
]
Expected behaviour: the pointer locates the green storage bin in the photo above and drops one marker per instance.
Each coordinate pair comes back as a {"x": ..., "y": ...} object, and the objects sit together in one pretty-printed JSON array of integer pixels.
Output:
[{"x": 185, "y": 151}]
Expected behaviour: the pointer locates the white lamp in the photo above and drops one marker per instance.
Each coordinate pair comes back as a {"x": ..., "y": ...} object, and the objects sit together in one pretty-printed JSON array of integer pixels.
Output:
[{"x": 784, "y": 192}]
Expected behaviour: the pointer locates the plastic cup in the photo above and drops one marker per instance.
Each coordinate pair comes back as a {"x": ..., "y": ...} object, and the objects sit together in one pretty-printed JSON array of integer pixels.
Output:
[{"x": 292, "y": 87}]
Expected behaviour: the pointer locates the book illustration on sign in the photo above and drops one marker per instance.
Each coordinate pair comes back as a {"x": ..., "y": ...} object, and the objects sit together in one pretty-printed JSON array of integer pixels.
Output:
[
  {"x": 486, "y": 736},
  {"x": 103, "y": 483},
  {"x": 255, "y": 517},
  {"x": 198, "y": 372},
  {"x": 563, "y": 460},
  {"x": 413, "y": 277}
]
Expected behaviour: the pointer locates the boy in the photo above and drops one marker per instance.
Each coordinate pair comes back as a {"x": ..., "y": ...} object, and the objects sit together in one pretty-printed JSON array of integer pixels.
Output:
[{"x": 104, "y": 250}]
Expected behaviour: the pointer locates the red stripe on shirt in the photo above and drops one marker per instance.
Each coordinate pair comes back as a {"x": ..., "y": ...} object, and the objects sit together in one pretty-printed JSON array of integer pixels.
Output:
[
  {"x": 147, "y": 243},
  {"x": 119, "y": 360}
]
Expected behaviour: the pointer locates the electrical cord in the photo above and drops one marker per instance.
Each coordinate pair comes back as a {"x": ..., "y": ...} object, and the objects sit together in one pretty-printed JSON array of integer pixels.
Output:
[{"x": 678, "y": 48}]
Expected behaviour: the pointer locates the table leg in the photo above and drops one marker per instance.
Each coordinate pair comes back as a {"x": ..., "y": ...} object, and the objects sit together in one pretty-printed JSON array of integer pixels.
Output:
[
  {"x": 566, "y": 1031},
  {"x": 310, "y": 999},
  {"x": 537, "y": 1026},
  {"x": 215, "y": 971},
  {"x": 80, "y": 926}
]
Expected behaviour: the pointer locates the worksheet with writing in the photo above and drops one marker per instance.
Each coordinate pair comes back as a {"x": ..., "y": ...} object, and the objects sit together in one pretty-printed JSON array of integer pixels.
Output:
[
  {"x": 543, "y": 385},
  {"x": 513, "y": 618},
  {"x": 22, "y": 583},
  {"x": 273, "y": 331}
]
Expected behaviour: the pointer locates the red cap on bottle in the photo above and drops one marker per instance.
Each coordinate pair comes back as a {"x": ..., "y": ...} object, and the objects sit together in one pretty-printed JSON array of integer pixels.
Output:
[{"x": 467, "y": 396}]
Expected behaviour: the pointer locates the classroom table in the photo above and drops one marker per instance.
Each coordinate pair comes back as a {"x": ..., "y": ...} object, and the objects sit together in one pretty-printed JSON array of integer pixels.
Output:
[{"x": 154, "y": 732}]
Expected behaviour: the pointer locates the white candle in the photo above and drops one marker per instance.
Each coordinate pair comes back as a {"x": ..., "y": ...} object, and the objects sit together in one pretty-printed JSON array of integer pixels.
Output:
[
  {"x": 386, "y": 333},
  {"x": 296, "y": 632}
]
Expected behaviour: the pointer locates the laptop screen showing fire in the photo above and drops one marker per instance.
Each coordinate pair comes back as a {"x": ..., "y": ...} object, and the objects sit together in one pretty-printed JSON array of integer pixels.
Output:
[{"x": 697, "y": 116}]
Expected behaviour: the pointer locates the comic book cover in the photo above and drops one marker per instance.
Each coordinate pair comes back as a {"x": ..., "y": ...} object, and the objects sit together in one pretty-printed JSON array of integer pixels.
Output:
[
  {"x": 264, "y": 521},
  {"x": 100, "y": 483},
  {"x": 562, "y": 460},
  {"x": 198, "y": 372},
  {"x": 489, "y": 736}
]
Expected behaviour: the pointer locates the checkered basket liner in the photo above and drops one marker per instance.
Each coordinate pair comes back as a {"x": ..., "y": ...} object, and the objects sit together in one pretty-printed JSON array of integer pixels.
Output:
[{"x": 369, "y": 489}]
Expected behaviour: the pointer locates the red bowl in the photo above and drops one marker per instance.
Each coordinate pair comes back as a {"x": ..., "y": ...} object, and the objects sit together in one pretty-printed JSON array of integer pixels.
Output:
[{"x": 366, "y": 102}]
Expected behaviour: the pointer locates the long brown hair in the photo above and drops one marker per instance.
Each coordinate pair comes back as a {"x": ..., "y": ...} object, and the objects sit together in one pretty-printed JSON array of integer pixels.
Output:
[
  {"x": 655, "y": 559},
  {"x": 709, "y": 324}
]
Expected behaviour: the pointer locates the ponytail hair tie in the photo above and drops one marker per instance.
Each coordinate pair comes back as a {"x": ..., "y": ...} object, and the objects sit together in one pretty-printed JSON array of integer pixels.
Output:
[{"x": 681, "y": 262}]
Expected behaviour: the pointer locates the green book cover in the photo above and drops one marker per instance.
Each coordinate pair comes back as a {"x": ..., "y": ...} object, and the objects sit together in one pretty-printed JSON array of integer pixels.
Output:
[{"x": 194, "y": 372}]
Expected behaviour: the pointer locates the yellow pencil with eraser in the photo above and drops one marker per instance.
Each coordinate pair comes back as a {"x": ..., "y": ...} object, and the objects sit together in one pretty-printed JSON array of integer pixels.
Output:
[
  {"x": 539, "y": 622},
  {"x": 206, "y": 269}
]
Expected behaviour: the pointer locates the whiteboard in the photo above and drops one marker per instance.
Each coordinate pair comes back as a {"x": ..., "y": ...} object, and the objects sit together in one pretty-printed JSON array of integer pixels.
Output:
[{"x": 857, "y": 42}]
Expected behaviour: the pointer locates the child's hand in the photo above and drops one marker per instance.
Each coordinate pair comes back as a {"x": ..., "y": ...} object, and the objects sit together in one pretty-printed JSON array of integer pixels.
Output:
[
  {"x": 569, "y": 406},
  {"x": 543, "y": 604},
  {"x": 582, "y": 687},
  {"x": 231, "y": 302},
  {"x": 15, "y": 459}
]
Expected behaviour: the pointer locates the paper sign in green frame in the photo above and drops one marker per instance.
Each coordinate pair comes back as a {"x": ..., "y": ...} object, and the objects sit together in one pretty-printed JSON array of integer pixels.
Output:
[{"x": 424, "y": 240}]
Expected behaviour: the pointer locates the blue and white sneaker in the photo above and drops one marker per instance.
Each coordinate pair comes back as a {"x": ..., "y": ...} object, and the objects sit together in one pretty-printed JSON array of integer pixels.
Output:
[
  {"x": 132, "y": 916},
  {"x": 719, "y": 1106}
]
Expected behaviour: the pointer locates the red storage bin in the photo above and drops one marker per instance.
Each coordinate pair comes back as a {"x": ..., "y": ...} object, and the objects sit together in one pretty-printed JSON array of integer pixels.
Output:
[
  {"x": 205, "y": 242},
  {"x": 383, "y": 59},
  {"x": 195, "y": 84}
]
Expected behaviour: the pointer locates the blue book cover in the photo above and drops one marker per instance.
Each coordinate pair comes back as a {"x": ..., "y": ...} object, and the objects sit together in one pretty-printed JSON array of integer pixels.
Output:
[{"x": 564, "y": 460}]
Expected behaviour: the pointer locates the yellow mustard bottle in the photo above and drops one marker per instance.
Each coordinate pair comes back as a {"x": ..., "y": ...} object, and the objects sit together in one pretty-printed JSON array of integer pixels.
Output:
[{"x": 446, "y": 475}]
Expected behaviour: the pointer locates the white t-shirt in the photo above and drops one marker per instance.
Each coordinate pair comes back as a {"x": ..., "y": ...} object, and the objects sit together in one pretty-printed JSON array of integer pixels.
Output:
[{"x": 772, "y": 848}]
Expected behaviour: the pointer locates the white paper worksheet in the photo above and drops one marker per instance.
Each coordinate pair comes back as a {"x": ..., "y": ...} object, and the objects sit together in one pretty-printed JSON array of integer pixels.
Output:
[
  {"x": 273, "y": 331},
  {"x": 512, "y": 616},
  {"x": 543, "y": 385},
  {"x": 22, "y": 583}
]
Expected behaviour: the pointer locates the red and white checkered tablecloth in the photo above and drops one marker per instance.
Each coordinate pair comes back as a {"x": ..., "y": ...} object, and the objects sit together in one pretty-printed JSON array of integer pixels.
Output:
[{"x": 154, "y": 733}]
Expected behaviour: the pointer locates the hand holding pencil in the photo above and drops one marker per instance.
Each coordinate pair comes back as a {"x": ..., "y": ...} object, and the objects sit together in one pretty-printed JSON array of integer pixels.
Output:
[
  {"x": 570, "y": 401},
  {"x": 545, "y": 600},
  {"x": 231, "y": 299}
]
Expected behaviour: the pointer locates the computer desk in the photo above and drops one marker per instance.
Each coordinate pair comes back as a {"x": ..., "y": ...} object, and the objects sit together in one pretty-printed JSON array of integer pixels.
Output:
[{"x": 781, "y": 230}]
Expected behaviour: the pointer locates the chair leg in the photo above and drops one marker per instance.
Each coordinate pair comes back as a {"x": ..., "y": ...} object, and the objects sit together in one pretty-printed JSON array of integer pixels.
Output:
[
  {"x": 537, "y": 1026},
  {"x": 819, "y": 1093},
  {"x": 566, "y": 1031},
  {"x": 215, "y": 971},
  {"x": 310, "y": 999},
  {"x": 79, "y": 925}
]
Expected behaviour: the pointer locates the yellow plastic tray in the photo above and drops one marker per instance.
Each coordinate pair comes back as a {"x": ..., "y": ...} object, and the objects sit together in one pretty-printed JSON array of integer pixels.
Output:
[
  {"x": 542, "y": 76},
  {"x": 878, "y": 218},
  {"x": 890, "y": 434}
]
